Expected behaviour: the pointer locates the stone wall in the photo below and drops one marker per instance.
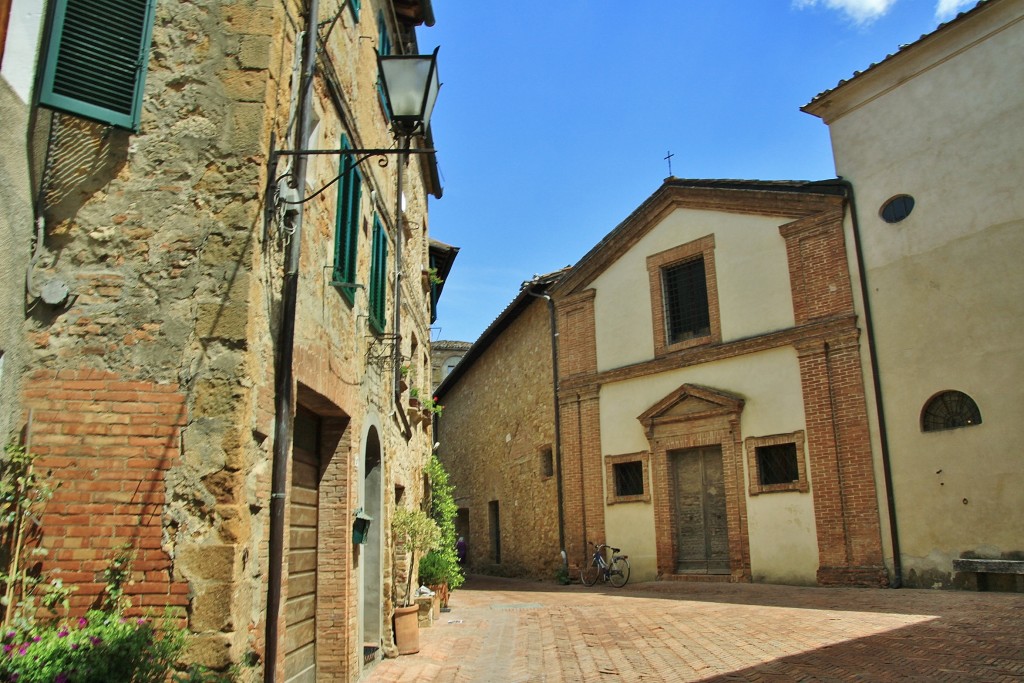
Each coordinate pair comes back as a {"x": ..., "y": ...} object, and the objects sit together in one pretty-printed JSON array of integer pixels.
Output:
[{"x": 497, "y": 438}]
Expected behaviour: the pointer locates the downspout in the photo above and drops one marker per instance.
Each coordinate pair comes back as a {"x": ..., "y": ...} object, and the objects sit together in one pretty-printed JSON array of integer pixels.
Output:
[
  {"x": 848, "y": 195},
  {"x": 283, "y": 376},
  {"x": 403, "y": 144},
  {"x": 558, "y": 425}
]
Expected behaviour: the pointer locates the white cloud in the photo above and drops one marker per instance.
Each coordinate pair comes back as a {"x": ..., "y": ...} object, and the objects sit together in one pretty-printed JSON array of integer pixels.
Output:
[
  {"x": 861, "y": 11},
  {"x": 947, "y": 8}
]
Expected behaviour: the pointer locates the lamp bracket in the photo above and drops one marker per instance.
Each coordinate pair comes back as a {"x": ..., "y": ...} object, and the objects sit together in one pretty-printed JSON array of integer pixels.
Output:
[{"x": 364, "y": 154}]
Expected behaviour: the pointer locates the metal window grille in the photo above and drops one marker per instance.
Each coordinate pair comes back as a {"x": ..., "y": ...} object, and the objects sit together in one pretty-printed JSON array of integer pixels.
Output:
[
  {"x": 777, "y": 464},
  {"x": 686, "y": 301},
  {"x": 950, "y": 410},
  {"x": 629, "y": 478}
]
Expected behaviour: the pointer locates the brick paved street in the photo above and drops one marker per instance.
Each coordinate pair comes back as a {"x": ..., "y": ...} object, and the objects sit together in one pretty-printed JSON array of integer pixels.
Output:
[{"x": 506, "y": 630}]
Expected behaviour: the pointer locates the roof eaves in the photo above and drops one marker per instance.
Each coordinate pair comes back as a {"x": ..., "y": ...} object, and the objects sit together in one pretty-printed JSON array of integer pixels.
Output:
[
  {"x": 899, "y": 51},
  {"x": 529, "y": 290}
]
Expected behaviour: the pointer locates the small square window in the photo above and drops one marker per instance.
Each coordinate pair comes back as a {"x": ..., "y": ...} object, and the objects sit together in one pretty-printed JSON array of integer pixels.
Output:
[
  {"x": 626, "y": 478},
  {"x": 776, "y": 463},
  {"x": 629, "y": 478}
]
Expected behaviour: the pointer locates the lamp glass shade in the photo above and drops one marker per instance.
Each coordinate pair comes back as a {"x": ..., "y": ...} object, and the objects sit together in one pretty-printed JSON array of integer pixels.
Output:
[{"x": 410, "y": 84}]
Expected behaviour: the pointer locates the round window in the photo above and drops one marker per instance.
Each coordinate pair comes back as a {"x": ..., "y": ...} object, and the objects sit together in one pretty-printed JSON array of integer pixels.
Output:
[{"x": 897, "y": 208}]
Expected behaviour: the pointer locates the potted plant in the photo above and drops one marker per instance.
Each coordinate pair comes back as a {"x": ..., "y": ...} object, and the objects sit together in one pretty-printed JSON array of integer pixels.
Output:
[
  {"x": 403, "y": 380},
  {"x": 431, "y": 407},
  {"x": 418, "y": 533},
  {"x": 414, "y": 398},
  {"x": 440, "y": 569}
]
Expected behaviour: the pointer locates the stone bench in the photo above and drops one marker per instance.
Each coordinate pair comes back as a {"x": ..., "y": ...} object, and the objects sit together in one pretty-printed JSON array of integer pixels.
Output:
[{"x": 982, "y": 568}]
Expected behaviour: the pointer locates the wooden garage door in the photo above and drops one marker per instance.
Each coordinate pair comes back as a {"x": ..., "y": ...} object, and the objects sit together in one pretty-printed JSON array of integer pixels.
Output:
[{"x": 300, "y": 608}]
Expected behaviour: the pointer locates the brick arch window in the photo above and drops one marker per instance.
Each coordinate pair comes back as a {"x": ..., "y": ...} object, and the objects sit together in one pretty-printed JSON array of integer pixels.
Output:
[{"x": 949, "y": 410}]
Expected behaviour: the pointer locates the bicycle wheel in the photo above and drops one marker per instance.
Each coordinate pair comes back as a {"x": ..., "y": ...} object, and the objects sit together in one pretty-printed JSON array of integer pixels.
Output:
[
  {"x": 590, "y": 572},
  {"x": 618, "y": 574}
]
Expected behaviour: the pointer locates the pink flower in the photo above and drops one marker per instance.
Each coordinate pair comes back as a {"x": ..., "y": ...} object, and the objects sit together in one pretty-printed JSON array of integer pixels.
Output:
[
  {"x": 7, "y": 648},
  {"x": 82, "y": 622},
  {"x": 95, "y": 640},
  {"x": 63, "y": 633},
  {"x": 24, "y": 648}
]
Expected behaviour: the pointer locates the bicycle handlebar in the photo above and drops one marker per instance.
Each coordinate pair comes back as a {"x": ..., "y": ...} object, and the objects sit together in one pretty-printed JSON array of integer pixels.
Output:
[{"x": 598, "y": 546}]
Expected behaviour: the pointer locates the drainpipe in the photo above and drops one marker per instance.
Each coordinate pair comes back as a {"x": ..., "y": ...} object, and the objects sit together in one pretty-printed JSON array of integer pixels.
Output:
[
  {"x": 558, "y": 426},
  {"x": 284, "y": 398},
  {"x": 897, "y": 564},
  {"x": 403, "y": 144}
]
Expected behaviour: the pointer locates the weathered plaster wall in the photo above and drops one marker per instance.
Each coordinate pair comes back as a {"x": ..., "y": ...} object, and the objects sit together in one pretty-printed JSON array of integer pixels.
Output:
[
  {"x": 941, "y": 123},
  {"x": 16, "y": 233}
]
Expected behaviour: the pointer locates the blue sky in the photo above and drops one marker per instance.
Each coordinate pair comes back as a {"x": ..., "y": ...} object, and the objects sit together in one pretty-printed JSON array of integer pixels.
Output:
[{"x": 555, "y": 116}]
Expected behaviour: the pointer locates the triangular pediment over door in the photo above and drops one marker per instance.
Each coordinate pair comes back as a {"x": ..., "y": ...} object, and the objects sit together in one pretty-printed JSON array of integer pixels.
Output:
[{"x": 688, "y": 403}]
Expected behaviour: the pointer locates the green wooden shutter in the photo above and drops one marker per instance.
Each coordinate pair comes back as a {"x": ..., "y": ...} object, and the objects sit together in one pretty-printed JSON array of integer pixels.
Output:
[
  {"x": 354, "y": 5},
  {"x": 378, "y": 277},
  {"x": 346, "y": 233},
  {"x": 94, "y": 64}
]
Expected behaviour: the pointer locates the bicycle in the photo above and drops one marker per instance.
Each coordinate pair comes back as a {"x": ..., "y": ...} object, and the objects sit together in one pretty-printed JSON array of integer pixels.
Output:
[{"x": 616, "y": 573}]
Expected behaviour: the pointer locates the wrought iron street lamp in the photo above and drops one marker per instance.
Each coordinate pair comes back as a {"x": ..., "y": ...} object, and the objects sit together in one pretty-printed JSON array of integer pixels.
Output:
[{"x": 410, "y": 86}]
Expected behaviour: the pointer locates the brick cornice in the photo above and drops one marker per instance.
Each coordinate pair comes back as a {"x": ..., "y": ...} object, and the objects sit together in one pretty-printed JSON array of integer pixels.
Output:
[{"x": 813, "y": 333}]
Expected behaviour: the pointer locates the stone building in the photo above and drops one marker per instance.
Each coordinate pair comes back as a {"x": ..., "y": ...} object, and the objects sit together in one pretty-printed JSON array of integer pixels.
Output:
[
  {"x": 930, "y": 141},
  {"x": 499, "y": 442},
  {"x": 710, "y": 399},
  {"x": 208, "y": 346},
  {"x": 445, "y": 354}
]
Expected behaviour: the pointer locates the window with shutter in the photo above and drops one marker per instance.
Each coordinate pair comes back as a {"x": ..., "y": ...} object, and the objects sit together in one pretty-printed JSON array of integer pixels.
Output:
[
  {"x": 346, "y": 234},
  {"x": 94, "y": 63},
  {"x": 378, "y": 277}
]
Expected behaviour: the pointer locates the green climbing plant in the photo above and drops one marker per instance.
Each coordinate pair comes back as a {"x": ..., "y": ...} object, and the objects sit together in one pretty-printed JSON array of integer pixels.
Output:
[{"x": 441, "y": 565}]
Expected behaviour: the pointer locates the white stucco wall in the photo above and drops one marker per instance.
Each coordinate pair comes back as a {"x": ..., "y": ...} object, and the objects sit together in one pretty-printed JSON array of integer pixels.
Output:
[
  {"x": 20, "y": 50},
  {"x": 942, "y": 122},
  {"x": 753, "y": 282},
  {"x": 783, "y": 542}
]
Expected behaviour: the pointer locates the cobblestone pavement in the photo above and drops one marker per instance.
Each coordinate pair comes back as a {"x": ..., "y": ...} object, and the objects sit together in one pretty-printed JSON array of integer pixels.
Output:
[{"x": 506, "y": 630}]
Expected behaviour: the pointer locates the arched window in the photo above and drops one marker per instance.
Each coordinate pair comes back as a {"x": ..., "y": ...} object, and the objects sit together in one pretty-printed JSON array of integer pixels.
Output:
[{"x": 949, "y": 410}]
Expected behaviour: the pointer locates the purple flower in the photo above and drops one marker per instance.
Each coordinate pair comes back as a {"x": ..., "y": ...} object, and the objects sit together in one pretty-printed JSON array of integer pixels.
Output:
[
  {"x": 10, "y": 634},
  {"x": 61, "y": 678},
  {"x": 74, "y": 646},
  {"x": 36, "y": 639},
  {"x": 82, "y": 622},
  {"x": 24, "y": 648},
  {"x": 63, "y": 633},
  {"x": 8, "y": 647},
  {"x": 95, "y": 640}
]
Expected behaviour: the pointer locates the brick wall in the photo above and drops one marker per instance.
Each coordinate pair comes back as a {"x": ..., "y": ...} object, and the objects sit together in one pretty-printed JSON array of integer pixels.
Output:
[
  {"x": 580, "y": 413},
  {"x": 110, "y": 441},
  {"x": 838, "y": 439}
]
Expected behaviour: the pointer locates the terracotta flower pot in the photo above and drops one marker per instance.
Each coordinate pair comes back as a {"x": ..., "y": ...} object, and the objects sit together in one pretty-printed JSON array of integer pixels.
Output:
[{"x": 407, "y": 629}]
